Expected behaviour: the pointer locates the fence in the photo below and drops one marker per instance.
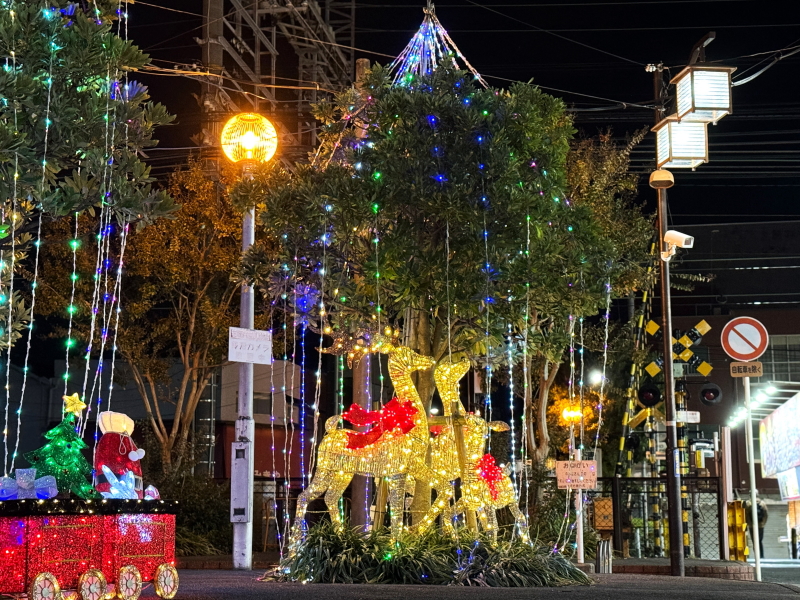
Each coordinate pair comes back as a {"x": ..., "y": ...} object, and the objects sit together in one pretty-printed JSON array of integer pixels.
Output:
[{"x": 633, "y": 512}]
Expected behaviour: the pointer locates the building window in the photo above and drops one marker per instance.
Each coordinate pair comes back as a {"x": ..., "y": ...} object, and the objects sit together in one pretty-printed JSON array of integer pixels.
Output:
[
  {"x": 782, "y": 359},
  {"x": 262, "y": 403}
]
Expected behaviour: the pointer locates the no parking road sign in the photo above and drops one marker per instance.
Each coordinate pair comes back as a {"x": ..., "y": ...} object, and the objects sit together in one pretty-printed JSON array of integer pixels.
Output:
[{"x": 744, "y": 339}]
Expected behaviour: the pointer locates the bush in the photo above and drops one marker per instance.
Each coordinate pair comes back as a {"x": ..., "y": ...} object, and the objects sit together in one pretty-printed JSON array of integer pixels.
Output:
[{"x": 329, "y": 555}]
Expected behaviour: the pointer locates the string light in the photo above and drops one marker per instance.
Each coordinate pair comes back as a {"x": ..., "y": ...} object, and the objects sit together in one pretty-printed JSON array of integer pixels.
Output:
[
  {"x": 12, "y": 266},
  {"x": 37, "y": 244},
  {"x": 429, "y": 46},
  {"x": 601, "y": 402}
]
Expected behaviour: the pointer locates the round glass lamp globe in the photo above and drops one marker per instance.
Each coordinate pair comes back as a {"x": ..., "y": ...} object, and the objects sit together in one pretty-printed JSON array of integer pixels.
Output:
[{"x": 249, "y": 137}]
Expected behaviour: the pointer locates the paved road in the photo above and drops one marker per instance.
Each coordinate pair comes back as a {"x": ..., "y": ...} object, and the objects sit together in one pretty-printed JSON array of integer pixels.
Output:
[
  {"x": 242, "y": 585},
  {"x": 781, "y": 571}
]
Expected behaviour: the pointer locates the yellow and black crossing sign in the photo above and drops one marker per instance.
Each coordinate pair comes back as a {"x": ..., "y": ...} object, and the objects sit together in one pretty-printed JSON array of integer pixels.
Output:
[{"x": 681, "y": 349}]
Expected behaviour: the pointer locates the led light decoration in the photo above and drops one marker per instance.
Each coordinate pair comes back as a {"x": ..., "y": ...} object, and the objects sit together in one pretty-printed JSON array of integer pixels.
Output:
[
  {"x": 61, "y": 457},
  {"x": 680, "y": 145},
  {"x": 703, "y": 93},
  {"x": 24, "y": 484},
  {"x": 84, "y": 544},
  {"x": 429, "y": 46},
  {"x": 485, "y": 487},
  {"x": 123, "y": 486},
  {"x": 394, "y": 456},
  {"x": 249, "y": 137}
]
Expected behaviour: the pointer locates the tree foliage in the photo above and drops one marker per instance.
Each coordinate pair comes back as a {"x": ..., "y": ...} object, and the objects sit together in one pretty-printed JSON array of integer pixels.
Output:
[
  {"x": 178, "y": 300},
  {"x": 469, "y": 216},
  {"x": 72, "y": 126}
]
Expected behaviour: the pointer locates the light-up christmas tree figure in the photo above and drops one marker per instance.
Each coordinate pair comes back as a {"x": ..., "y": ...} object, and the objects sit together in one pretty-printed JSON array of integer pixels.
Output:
[{"x": 61, "y": 457}]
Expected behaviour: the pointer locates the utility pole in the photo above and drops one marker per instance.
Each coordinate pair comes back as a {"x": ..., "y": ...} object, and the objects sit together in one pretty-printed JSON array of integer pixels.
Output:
[{"x": 672, "y": 454}]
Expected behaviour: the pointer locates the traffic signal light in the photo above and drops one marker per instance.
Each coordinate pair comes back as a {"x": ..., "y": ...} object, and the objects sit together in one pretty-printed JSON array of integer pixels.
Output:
[
  {"x": 710, "y": 394},
  {"x": 649, "y": 395}
]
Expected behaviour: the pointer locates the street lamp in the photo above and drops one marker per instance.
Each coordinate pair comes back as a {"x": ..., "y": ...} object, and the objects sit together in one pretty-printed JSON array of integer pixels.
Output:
[
  {"x": 250, "y": 139},
  {"x": 680, "y": 144},
  {"x": 703, "y": 93}
]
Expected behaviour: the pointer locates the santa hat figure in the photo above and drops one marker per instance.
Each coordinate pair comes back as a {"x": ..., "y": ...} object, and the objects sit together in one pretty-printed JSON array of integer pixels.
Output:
[{"x": 117, "y": 451}]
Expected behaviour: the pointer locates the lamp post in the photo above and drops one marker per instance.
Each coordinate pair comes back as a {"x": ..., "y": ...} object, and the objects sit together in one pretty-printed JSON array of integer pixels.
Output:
[
  {"x": 574, "y": 415},
  {"x": 250, "y": 139},
  {"x": 703, "y": 95}
]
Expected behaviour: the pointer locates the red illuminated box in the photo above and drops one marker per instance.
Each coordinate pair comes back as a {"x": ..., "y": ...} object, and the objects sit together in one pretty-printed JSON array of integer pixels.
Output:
[{"x": 87, "y": 546}]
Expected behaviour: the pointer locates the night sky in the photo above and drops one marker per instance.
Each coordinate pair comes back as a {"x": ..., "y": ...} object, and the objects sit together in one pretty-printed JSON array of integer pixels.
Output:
[
  {"x": 754, "y": 153},
  {"x": 593, "y": 55}
]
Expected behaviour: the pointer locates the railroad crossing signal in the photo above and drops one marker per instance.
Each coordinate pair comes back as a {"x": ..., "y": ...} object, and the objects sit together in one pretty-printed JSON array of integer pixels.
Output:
[{"x": 681, "y": 351}]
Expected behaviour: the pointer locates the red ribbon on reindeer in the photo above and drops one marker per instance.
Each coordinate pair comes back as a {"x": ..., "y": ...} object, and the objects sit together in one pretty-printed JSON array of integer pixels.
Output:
[
  {"x": 395, "y": 415},
  {"x": 490, "y": 473}
]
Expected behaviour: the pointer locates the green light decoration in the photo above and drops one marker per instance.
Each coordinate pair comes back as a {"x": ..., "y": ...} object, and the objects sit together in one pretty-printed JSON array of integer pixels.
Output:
[{"x": 61, "y": 457}]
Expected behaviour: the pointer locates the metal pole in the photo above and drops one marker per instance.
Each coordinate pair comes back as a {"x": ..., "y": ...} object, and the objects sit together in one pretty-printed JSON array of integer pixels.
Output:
[
  {"x": 579, "y": 516},
  {"x": 673, "y": 458},
  {"x": 245, "y": 426},
  {"x": 751, "y": 461}
]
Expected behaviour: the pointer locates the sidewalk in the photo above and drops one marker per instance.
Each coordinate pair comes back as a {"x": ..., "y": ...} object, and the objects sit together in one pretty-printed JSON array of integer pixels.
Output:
[
  {"x": 243, "y": 585},
  {"x": 693, "y": 567}
]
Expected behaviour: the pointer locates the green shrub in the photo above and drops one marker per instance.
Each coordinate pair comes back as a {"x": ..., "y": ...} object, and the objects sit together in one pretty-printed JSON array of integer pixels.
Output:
[{"x": 349, "y": 556}]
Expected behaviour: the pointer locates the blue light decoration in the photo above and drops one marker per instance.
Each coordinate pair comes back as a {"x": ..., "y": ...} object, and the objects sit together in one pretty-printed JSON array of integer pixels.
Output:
[
  {"x": 430, "y": 45},
  {"x": 122, "y": 486}
]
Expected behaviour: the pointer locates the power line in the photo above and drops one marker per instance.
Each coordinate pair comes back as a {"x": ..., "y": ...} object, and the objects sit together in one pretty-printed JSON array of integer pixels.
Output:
[
  {"x": 554, "y": 34},
  {"x": 556, "y": 4},
  {"x": 593, "y": 30}
]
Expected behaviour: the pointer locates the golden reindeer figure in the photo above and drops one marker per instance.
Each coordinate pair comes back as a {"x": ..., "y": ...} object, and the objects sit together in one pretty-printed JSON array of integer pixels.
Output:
[
  {"x": 394, "y": 456},
  {"x": 485, "y": 487}
]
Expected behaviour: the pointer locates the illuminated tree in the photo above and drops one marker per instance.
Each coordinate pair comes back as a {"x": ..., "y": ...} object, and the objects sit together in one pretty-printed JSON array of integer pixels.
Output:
[{"x": 72, "y": 127}]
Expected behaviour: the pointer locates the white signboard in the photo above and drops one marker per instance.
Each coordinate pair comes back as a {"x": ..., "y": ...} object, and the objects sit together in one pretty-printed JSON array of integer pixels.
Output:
[
  {"x": 249, "y": 346},
  {"x": 576, "y": 474},
  {"x": 687, "y": 416}
]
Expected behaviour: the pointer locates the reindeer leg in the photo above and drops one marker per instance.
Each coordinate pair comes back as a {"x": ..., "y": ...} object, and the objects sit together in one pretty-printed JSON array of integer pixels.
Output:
[
  {"x": 397, "y": 495},
  {"x": 520, "y": 520},
  {"x": 334, "y": 493},
  {"x": 491, "y": 517},
  {"x": 314, "y": 490}
]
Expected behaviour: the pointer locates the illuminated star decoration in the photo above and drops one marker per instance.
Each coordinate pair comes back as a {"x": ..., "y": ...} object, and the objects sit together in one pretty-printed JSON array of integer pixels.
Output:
[
  {"x": 359, "y": 344},
  {"x": 73, "y": 404}
]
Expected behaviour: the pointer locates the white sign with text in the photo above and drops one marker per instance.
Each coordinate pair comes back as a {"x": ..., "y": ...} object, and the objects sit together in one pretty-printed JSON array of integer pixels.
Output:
[{"x": 249, "y": 346}]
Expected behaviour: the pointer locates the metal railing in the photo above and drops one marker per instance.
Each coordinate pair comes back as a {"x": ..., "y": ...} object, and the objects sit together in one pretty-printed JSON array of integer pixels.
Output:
[{"x": 632, "y": 511}]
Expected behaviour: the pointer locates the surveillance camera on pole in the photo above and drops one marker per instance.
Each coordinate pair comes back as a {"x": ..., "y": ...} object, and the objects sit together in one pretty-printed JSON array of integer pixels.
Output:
[{"x": 675, "y": 239}]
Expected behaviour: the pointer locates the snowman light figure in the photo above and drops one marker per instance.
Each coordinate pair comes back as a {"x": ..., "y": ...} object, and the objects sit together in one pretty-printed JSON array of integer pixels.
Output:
[{"x": 117, "y": 452}]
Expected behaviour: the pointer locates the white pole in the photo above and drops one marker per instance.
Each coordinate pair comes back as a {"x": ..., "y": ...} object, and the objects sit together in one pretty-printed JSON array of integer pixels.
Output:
[
  {"x": 579, "y": 516},
  {"x": 751, "y": 459},
  {"x": 245, "y": 426}
]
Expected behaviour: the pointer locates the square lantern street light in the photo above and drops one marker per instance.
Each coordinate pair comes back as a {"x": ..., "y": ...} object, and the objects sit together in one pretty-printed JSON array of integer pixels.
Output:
[
  {"x": 680, "y": 144},
  {"x": 703, "y": 93}
]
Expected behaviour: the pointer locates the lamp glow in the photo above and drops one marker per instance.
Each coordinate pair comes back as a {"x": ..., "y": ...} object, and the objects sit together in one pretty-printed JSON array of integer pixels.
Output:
[
  {"x": 680, "y": 145},
  {"x": 771, "y": 390},
  {"x": 249, "y": 137},
  {"x": 704, "y": 93},
  {"x": 571, "y": 415},
  {"x": 595, "y": 377}
]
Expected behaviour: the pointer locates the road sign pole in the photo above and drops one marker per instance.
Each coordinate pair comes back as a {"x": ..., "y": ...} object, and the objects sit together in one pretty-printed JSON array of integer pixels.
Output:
[{"x": 752, "y": 467}]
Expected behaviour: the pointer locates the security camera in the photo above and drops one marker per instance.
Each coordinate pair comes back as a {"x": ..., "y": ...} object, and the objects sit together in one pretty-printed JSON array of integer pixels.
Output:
[{"x": 676, "y": 238}]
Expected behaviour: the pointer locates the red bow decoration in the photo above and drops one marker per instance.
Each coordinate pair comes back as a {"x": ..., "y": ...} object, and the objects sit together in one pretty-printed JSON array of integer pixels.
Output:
[
  {"x": 490, "y": 473},
  {"x": 394, "y": 415}
]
